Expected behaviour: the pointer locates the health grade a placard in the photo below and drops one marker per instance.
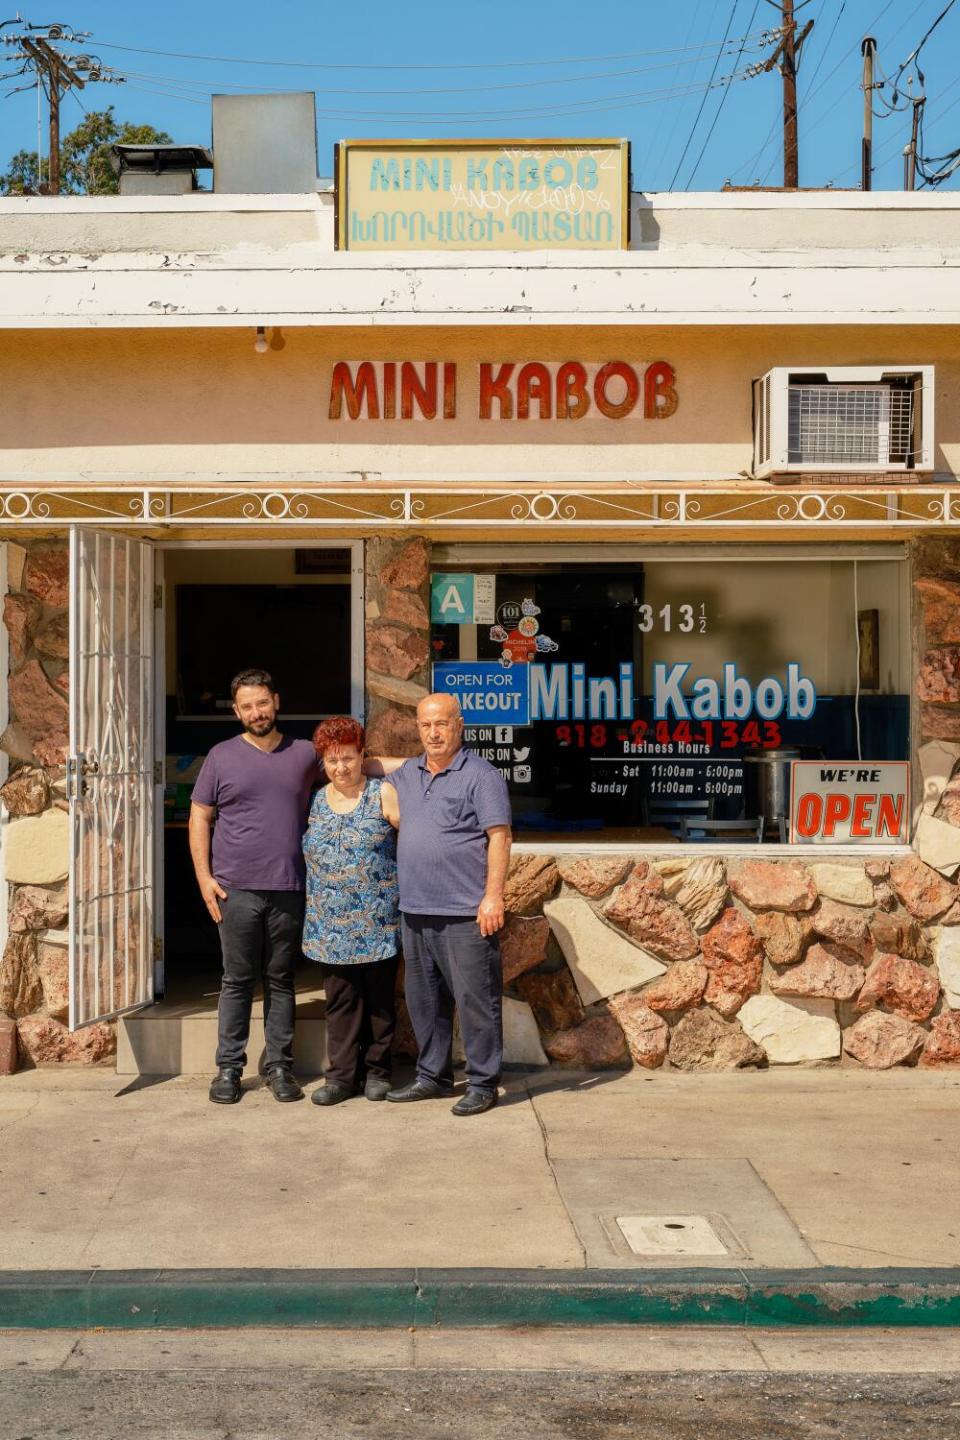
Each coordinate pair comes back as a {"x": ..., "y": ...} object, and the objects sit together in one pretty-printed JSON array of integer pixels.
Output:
[
  {"x": 489, "y": 693},
  {"x": 463, "y": 599}
]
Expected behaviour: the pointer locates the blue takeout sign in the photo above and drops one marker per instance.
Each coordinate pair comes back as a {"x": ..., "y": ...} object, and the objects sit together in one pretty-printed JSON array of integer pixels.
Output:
[{"x": 489, "y": 693}]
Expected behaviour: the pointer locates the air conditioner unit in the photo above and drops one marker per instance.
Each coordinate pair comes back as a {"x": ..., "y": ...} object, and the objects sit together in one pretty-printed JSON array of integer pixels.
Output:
[{"x": 846, "y": 420}]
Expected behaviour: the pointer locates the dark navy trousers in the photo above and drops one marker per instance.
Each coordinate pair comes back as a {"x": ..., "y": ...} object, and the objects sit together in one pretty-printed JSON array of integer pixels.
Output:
[{"x": 449, "y": 963}]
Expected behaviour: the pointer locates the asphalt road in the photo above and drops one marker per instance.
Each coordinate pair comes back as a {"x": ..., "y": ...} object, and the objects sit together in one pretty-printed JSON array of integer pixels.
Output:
[{"x": 310, "y": 1404}]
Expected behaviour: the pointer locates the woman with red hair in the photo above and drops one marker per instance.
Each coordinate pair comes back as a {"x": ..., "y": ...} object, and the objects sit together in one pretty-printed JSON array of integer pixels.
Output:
[{"x": 352, "y": 913}]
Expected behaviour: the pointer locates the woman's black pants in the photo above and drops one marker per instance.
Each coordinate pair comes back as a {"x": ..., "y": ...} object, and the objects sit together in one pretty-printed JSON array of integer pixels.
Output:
[{"x": 361, "y": 1018}]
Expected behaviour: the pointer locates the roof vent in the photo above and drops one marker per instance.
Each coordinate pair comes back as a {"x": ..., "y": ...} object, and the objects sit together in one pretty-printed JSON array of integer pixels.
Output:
[{"x": 159, "y": 169}]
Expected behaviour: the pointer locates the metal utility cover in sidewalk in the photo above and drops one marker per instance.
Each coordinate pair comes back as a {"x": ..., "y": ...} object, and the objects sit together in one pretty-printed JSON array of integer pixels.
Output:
[{"x": 728, "y": 1195}]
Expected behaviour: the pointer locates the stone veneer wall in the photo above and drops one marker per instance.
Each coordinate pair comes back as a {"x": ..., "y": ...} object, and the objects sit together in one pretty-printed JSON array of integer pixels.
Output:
[{"x": 33, "y": 970}]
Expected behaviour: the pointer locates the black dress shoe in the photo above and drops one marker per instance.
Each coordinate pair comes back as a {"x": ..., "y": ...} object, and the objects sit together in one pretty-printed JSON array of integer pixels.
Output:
[
  {"x": 474, "y": 1102},
  {"x": 283, "y": 1085},
  {"x": 225, "y": 1087},
  {"x": 376, "y": 1087},
  {"x": 418, "y": 1090},
  {"x": 331, "y": 1093}
]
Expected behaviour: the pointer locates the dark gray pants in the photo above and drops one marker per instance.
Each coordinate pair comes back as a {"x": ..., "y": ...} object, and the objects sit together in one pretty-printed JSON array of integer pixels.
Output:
[
  {"x": 260, "y": 937},
  {"x": 448, "y": 962}
]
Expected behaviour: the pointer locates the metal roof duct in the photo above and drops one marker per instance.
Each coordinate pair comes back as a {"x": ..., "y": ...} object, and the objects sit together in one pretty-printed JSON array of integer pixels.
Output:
[{"x": 265, "y": 144}]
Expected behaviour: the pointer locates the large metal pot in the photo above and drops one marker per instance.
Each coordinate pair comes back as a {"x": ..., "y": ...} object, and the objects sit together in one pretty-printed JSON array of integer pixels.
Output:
[{"x": 766, "y": 782}]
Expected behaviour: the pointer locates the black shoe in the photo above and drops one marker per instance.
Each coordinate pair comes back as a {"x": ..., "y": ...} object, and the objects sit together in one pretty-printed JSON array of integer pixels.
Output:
[
  {"x": 474, "y": 1102},
  {"x": 225, "y": 1087},
  {"x": 283, "y": 1085},
  {"x": 418, "y": 1090},
  {"x": 331, "y": 1093},
  {"x": 376, "y": 1087}
]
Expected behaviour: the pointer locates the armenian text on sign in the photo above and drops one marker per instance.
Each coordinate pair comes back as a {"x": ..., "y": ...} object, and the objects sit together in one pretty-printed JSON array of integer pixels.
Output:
[{"x": 504, "y": 391}]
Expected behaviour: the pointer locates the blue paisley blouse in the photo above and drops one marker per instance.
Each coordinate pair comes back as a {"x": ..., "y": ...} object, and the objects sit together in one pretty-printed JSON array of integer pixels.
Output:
[{"x": 352, "y": 912}]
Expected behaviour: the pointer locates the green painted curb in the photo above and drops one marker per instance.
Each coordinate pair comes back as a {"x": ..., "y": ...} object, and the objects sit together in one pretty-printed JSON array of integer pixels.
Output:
[{"x": 391, "y": 1299}]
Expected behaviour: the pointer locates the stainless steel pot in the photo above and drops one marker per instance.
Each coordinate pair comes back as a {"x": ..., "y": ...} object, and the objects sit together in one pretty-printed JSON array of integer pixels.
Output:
[{"x": 766, "y": 782}]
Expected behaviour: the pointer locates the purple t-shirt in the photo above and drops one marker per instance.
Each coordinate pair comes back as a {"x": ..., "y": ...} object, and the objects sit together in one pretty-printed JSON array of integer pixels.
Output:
[
  {"x": 262, "y": 799},
  {"x": 442, "y": 844}
]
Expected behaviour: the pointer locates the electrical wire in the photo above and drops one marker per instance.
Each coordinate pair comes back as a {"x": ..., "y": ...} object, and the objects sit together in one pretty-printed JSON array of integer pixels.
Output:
[
  {"x": 707, "y": 89},
  {"x": 654, "y": 136},
  {"x": 717, "y": 112}
]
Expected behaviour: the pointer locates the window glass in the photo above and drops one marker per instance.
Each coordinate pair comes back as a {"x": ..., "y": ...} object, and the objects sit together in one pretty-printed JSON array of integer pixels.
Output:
[{"x": 667, "y": 700}]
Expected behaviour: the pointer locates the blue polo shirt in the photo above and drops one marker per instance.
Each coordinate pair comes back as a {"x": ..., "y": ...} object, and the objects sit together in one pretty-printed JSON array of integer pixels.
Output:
[{"x": 442, "y": 845}]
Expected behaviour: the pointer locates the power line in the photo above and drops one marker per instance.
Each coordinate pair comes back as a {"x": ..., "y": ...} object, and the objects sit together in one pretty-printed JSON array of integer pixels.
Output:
[
  {"x": 716, "y": 114},
  {"x": 707, "y": 89}
]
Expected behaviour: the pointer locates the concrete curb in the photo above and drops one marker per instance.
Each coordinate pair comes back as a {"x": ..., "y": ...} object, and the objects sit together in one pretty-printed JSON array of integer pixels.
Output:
[{"x": 138, "y": 1299}]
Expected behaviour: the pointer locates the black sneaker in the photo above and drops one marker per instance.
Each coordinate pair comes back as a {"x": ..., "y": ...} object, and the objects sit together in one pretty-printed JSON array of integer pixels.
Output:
[
  {"x": 418, "y": 1090},
  {"x": 376, "y": 1087},
  {"x": 475, "y": 1102},
  {"x": 225, "y": 1087},
  {"x": 332, "y": 1094},
  {"x": 283, "y": 1085}
]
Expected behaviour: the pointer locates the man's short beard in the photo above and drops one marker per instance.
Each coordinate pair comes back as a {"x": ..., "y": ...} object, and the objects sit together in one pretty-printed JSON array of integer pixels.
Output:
[{"x": 253, "y": 727}]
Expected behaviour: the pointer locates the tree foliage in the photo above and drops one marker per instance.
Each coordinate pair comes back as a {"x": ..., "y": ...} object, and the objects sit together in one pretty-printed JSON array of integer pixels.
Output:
[{"x": 85, "y": 167}]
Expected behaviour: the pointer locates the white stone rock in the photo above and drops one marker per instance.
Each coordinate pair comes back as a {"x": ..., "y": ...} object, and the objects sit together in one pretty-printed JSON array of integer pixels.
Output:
[
  {"x": 937, "y": 760},
  {"x": 16, "y": 559},
  {"x": 602, "y": 961},
  {"x": 792, "y": 1031},
  {"x": 938, "y": 845},
  {"x": 37, "y": 848},
  {"x": 946, "y": 949},
  {"x": 55, "y": 937},
  {"x": 521, "y": 1035},
  {"x": 847, "y": 883}
]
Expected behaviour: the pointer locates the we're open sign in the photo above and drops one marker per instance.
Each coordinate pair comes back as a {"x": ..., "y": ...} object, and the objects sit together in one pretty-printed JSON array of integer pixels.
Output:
[{"x": 842, "y": 803}]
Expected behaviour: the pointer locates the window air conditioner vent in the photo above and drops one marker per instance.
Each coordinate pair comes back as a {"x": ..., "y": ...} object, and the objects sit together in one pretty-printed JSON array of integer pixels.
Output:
[{"x": 843, "y": 420}]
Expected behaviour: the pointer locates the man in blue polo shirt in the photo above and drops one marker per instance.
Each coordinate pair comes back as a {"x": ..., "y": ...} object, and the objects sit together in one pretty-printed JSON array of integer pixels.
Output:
[{"x": 453, "y": 853}]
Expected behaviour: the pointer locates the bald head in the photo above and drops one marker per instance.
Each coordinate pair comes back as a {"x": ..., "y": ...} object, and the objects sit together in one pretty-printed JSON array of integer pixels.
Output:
[{"x": 441, "y": 728}]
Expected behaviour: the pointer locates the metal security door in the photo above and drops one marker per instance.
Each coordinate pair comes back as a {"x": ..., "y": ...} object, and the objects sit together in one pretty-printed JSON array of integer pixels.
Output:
[{"x": 110, "y": 775}]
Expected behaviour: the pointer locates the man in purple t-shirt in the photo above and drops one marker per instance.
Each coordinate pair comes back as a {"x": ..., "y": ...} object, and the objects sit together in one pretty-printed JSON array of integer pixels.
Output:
[{"x": 257, "y": 788}]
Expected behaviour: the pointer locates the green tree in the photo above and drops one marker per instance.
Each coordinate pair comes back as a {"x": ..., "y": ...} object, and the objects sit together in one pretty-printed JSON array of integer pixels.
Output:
[{"x": 85, "y": 167}]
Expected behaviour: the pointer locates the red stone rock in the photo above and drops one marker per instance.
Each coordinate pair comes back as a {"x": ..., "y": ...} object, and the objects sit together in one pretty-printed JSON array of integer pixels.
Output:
[
  {"x": 659, "y": 925},
  {"x": 920, "y": 889},
  {"x": 939, "y": 722},
  {"x": 20, "y": 616},
  {"x": 942, "y": 1045},
  {"x": 53, "y": 974},
  {"x": 408, "y": 569},
  {"x": 901, "y": 987},
  {"x": 877, "y": 869},
  {"x": 597, "y": 1044},
  {"x": 939, "y": 678},
  {"x": 45, "y": 1041},
  {"x": 406, "y": 608},
  {"x": 553, "y": 999},
  {"x": 828, "y": 971},
  {"x": 645, "y": 1033},
  {"x": 897, "y": 935},
  {"x": 842, "y": 925},
  {"x": 782, "y": 936},
  {"x": 20, "y": 988},
  {"x": 8, "y": 1045},
  {"x": 682, "y": 986},
  {"x": 532, "y": 880},
  {"x": 594, "y": 876},
  {"x": 51, "y": 750},
  {"x": 54, "y": 639},
  {"x": 733, "y": 956},
  {"x": 38, "y": 907},
  {"x": 47, "y": 573},
  {"x": 885, "y": 896},
  {"x": 941, "y": 610},
  {"x": 393, "y": 651},
  {"x": 394, "y": 732},
  {"x": 702, "y": 1041},
  {"x": 37, "y": 706},
  {"x": 768, "y": 885},
  {"x": 26, "y": 792},
  {"x": 523, "y": 945},
  {"x": 881, "y": 1041}
]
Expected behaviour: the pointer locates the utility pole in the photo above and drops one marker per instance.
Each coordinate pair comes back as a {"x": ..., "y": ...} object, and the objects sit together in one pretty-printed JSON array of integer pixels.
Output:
[
  {"x": 867, "y": 49},
  {"x": 785, "y": 57},
  {"x": 55, "y": 72},
  {"x": 910, "y": 152}
]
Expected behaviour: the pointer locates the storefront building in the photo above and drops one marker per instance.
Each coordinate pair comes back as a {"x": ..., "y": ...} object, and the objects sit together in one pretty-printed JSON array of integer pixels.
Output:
[{"x": 674, "y": 517}]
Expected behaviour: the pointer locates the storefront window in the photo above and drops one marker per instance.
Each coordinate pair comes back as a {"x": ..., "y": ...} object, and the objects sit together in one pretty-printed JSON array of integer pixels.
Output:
[{"x": 666, "y": 700}]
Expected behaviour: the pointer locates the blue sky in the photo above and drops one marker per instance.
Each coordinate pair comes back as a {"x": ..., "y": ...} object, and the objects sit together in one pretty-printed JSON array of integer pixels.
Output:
[{"x": 637, "y": 68}]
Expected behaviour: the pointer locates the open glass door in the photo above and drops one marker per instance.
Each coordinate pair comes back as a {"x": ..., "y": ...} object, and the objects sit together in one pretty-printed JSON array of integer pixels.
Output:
[{"x": 110, "y": 775}]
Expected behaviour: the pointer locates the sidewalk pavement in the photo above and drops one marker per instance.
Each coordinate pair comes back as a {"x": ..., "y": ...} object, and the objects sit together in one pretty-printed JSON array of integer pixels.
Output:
[{"x": 833, "y": 1193}]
